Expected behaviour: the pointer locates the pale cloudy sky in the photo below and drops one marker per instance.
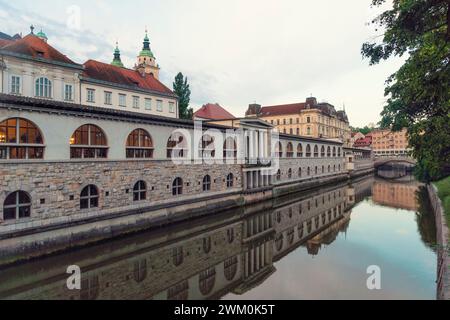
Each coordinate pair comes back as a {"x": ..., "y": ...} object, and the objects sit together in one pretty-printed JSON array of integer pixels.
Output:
[{"x": 234, "y": 52}]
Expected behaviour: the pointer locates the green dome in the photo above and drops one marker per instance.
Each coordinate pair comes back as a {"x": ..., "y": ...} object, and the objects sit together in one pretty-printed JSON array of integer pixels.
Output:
[
  {"x": 146, "y": 51},
  {"x": 117, "y": 61},
  {"x": 42, "y": 35}
]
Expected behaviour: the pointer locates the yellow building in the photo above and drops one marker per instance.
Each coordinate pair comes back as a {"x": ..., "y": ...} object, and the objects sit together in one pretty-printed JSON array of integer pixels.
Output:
[{"x": 310, "y": 119}]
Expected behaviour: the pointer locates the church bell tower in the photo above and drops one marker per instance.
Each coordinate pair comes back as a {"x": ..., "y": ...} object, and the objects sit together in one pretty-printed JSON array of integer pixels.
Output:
[{"x": 146, "y": 60}]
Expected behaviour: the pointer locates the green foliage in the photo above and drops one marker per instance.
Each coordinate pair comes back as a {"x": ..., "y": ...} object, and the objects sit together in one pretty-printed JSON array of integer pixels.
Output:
[
  {"x": 182, "y": 90},
  {"x": 364, "y": 131},
  {"x": 419, "y": 93},
  {"x": 443, "y": 187}
]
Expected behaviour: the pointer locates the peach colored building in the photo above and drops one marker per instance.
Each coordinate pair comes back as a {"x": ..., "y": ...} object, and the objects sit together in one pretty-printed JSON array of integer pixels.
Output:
[{"x": 388, "y": 143}]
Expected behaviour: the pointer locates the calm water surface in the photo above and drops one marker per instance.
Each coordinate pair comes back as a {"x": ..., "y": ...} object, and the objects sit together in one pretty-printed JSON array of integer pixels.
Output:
[{"x": 308, "y": 246}]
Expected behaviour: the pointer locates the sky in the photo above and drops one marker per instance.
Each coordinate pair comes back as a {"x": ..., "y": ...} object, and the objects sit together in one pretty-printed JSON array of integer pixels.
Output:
[{"x": 233, "y": 52}]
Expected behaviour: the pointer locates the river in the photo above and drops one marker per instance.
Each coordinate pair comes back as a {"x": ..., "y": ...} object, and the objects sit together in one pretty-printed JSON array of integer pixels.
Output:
[{"x": 324, "y": 244}]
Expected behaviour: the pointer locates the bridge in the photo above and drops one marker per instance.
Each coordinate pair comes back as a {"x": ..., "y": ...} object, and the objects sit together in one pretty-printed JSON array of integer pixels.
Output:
[{"x": 381, "y": 161}]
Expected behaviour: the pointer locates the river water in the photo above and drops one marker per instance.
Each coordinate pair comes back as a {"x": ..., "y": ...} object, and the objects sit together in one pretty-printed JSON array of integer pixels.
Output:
[{"x": 324, "y": 244}]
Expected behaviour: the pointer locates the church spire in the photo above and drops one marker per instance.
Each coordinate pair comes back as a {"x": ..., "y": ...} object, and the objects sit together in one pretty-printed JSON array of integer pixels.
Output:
[
  {"x": 117, "y": 61},
  {"x": 146, "y": 51}
]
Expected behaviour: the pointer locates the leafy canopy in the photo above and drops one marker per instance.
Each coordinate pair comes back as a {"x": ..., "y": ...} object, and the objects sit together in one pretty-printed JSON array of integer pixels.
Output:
[{"x": 419, "y": 93}]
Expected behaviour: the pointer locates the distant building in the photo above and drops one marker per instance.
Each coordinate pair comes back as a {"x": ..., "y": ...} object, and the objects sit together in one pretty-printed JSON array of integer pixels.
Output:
[
  {"x": 212, "y": 111},
  {"x": 31, "y": 67},
  {"x": 388, "y": 143},
  {"x": 356, "y": 136},
  {"x": 365, "y": 142},
  {"x": 310, "y": 119}
]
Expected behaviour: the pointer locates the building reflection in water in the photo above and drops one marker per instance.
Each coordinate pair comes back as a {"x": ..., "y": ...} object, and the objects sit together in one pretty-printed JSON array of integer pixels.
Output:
[{"x": 203, "y": 259}]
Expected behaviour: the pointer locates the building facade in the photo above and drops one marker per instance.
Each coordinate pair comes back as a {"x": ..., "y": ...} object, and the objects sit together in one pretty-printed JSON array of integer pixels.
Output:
[
  {"x": 309, "y": 119},
  {"x": 31, "y": 67},
  {"x": 388, "y": 143}
]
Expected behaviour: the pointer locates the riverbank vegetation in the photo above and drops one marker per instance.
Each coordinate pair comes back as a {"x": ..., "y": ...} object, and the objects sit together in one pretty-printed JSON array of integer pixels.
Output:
[
  {"x": 443, "y": 187},
  {"x": 418, "y": 94}
]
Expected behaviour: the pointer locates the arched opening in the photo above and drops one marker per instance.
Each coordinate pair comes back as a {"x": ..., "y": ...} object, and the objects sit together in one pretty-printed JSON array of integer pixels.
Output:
[
  {"x": 20, "y": 139},
  {"x": 207, "y": 183},
  {"x": 89, "y": 197},
  {"x": 177, "y": 187},
  {"x": 177, "y": 146},
  {"x": 139, "y": 145},
  {"x": 279, "y": 150},
  {"x": 230, "y": 148},
  {"x": 308, "y": 151},
  {"x": 230, "y": 180},
  {"x": 322, "y": 152},
  {"x": 316, "y": 151},
  {"x": 207, "y": 280},
  {"x": 207, "y": 148},
  {"x": 290, "y": 150},
  {"x": 329, "y": 152},
  {"x": 17, "y": 205},
  {"x": 88, "y": 142},
  {"x": 140, "y": 191},
  {"x": 300, "y": 150}
]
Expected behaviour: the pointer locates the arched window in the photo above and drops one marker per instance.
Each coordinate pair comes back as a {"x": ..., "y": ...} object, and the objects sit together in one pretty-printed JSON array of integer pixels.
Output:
[
  {"x": 89, "y": 197},
  {"x": 43, "y": 88},
  {"x": 290, "y": 236},
  {"x": 323, "y": 169},
  {"x": 322, "y": 152},
  {"x": 279, "y": 175},
  {"x": 140, "y": 191},
  {"x": 230, "y": 235},
  {"x": 279, "y": 150},
  {"x": 329, "y": 169},
  {"x": 334, "y": 152},
  {"x": 290, "y": 150},
  {"x": 139, "y": 145},
  {"x": 315, "y": 170},
  {"x": 230, "y": 268},
  {"x": 334, "y": 168},
  {"x": 177, "y": 256},
  {"x": 299, "y": 172},
  {"x": 300, "y": 150},
  {"x": 308, "y": 131},
  {"x": 230, "y": 148},
  {"x": 177, "y": 187},
  {"x": 290, "y": 173},
  {"x": 308, "y": 151},
  {"x": 316, "y": 151},
  {"x": 339, "y": 152},
  {"x": 207, "y": 183},
  {"x": 207, "y": 245},
  {"x": 339, "y": 168},
  {"x": 206, "y": 148},
  {"x": 17, "y": 205},
  {"x": 90, "y": 288},
  {"x": 179, "y": 291},
  {"x": 309, "y": 171},
  {"x": 207, "y": 279},
  {"x": 329, "y": 152},
  {"x": 20, "y": 139},
  {"x": 88, "y": 142},
  {"x": 140, "y": 270},
  {"x": 279, "y": 242},
  {"x": 230, "y": 180},
  {"x": 301, "y": 230},
  {"x": 177, "y": 146}
]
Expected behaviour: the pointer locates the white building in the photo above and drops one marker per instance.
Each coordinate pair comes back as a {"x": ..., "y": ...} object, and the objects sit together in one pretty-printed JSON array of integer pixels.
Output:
[{"x": 31, "y": 67}]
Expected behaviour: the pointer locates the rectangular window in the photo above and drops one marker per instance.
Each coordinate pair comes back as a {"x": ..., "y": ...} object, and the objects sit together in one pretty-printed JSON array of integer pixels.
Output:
[
  {"x": 159, "y": 105},
  {"x": 68, "y": 92},
  {"x": 171, "y": 107},
  {"x": 148, "y": 104},
  {"x": 122, "y": 100},
  {"x": 90, "y": 95},
  {"x": 108, "y": 98},
  {"x": 15, "y": 85},
  {"x": 135, "y": 102}
]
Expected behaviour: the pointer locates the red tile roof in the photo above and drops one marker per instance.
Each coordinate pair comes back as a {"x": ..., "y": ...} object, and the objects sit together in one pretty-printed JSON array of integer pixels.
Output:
[
  {"x": 35, "y": 47},
  {"x": 213, "y": 112},
  {"x": 127, "y": 77},
  {"x": 294, "y": 108},
  {"x": 4, "y": 42}
]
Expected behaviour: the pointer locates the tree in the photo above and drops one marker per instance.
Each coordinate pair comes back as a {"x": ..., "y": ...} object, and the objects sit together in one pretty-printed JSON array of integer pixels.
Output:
[
  {"x": 182, "y": 90},
  {"x": 419, "y": 92},
  {"x": 366, "y": 130}
]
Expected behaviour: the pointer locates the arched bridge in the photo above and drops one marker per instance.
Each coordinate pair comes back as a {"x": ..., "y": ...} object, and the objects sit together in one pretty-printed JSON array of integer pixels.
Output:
[{"x": 381, "y": 161}]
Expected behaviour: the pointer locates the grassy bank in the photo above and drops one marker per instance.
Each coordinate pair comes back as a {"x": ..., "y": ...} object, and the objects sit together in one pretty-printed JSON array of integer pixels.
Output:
[{"x": 444, "y": 193}]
